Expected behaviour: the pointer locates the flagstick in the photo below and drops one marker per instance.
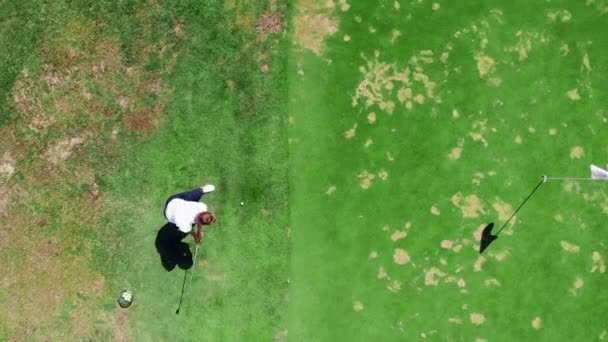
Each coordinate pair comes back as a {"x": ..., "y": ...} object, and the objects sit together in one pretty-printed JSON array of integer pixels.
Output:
[
  {"x": 577, "y": 179},
  {"x": 543, "y": 179},
  {"x": 597, "y": 173}
]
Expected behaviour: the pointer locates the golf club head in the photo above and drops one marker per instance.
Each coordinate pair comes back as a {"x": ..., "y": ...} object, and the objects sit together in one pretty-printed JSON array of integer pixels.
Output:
[{"x": 487, "y": 237}]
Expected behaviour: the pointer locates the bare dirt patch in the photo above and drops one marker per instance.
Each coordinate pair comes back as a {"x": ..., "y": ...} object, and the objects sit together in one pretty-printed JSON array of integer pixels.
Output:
[
  {"x": 455, "y": 320},
  {"x": 598, "y": 263},
  {"x": 479, "y": 263},
  {"x": 401, "y": 257},
  {"x": 491, "y": 282},
  {"x": 569, "y": 247},
  {"x": 269, "y": 23},
  {"x": 578, "y": 284},
  {"x": 536, "y": 323},
  {"x": 382, "y": 273},
  {"x": 394, "y": 286},
  {"x": 380, "y": 79},
  {"x": 517, "y": 139},
  {"x": 398, "y": 235},
  {"x": 586, "y": 63},
  {"x": 371, "y": 118},
  {"x": 151, "y": 87},
  {"x": 430, "y": 276},
  {"x": 572, "y": 186},
  {"x": 5, "y": 200},
  {"x": 485, "y": 65},
  {"x": 313, "y": 24},
  {"x": 455, "y": 153},
  {"x": 447, "y": 244},
  {"x": 383, "y": 175},
  {"x": 7, "y": 165},
  {"x": 119, "y": 324},
  {"x": 179, "y": 29},
  {"x": 358, "y": 306},
  {"x": 144, "y": 120},
  {"x": 577, "y": 152},
  {"x": 435, "y": 211},
  {"x": 503, "y": 209},
  {"x": 502, "y": 255},
  {"x": 64, "y": 149},
  {"x": 281, "y": 335},
  {"x": 470, "y": 206},
  {"x": 573, "y": 94},
  {"x": 477, "y": 318},
  {"x": 366, "y": 179},
  {"x": 350, "y": 133}
]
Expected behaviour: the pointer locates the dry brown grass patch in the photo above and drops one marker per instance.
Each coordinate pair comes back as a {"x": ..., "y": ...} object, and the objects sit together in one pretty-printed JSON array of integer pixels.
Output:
[
  {"x": 313, "y": 24},
  {"x": 269, "y": 23},
  {"x": 144, "y": 119}
]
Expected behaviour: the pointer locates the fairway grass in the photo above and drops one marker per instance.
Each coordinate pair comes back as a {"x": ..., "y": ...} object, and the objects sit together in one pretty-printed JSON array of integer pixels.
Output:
[
  {"x": 417, "y": 124},
  {"x": 113, "y": 107},
  {"x": 369, "y": 142}
]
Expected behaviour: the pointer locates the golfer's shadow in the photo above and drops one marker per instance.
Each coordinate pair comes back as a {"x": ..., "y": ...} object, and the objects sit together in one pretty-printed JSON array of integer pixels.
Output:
[{"x": 173, "y": 252}]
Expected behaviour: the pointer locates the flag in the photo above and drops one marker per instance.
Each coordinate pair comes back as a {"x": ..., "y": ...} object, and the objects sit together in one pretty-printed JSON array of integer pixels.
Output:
[{"x": 598, "y": 173}]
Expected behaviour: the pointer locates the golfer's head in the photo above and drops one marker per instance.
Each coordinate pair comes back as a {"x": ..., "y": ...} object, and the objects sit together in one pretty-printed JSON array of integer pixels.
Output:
[{"x": 205, "y": 218}]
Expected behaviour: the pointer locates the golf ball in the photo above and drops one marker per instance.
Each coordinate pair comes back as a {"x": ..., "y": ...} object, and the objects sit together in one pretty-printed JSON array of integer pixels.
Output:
[{"x": 242, "y": 204}]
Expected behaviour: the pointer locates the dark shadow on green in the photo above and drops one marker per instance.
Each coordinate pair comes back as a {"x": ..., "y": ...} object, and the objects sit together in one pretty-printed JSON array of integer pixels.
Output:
[
  {"x": 487, "y": 237},
  {"x": 173, "y": 252}
]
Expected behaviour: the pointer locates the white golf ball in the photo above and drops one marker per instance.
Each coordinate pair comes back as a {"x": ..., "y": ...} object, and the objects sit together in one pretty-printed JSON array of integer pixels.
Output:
[{"x": 242, "y": 204}]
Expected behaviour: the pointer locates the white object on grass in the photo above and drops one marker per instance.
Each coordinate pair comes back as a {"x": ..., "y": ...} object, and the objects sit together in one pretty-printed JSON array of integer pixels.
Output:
[
  {"x": 208, "y": 188},
  {"x": 125, "y": 299},
  {"x": 242, "y": 204},
  {"x": 598, "y": 172}
]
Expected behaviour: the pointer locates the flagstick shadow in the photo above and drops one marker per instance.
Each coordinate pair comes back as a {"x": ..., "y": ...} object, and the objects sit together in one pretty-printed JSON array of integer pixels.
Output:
[{"x": 486, "y": 237}]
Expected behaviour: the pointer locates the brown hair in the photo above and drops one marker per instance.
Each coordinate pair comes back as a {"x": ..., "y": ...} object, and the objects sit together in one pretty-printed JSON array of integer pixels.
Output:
[{"x": 206, "y": 218}]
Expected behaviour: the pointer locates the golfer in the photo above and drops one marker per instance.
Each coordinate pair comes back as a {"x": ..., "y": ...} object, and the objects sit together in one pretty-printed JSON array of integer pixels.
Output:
[{"x": 184, "y": 210}]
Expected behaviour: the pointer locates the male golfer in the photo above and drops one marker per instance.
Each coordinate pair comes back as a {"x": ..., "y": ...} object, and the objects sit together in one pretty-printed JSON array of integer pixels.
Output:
[{"x": 184, "y": 210}]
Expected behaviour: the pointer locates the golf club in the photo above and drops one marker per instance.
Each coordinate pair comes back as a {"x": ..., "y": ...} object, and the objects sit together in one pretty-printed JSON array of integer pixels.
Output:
[
  {"x": 182, "y": 295},
  {"x": 184, "y": 283},
  {"x": 193, "y": 263}
]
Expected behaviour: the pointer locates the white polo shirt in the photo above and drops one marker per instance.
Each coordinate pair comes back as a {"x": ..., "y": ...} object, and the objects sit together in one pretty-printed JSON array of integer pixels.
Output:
[{"x": 182, "y": 213}]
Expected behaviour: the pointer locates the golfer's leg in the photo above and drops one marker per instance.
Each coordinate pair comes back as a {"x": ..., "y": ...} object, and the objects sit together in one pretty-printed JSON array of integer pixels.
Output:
[{"x": 194, "y": 195}]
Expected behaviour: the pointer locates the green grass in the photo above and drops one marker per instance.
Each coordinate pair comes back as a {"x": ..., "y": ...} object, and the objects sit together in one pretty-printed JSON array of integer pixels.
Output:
[
  {"x": 331, "y": 260},
  {"x": 149, "y": 98},
  {"x": 216, "y": 119}
]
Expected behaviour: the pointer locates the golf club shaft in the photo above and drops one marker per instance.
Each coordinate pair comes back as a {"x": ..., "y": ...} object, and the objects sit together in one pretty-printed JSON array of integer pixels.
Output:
[
  {"x": 181, "y": 297},
  {"x": 192, "y": 270}
]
